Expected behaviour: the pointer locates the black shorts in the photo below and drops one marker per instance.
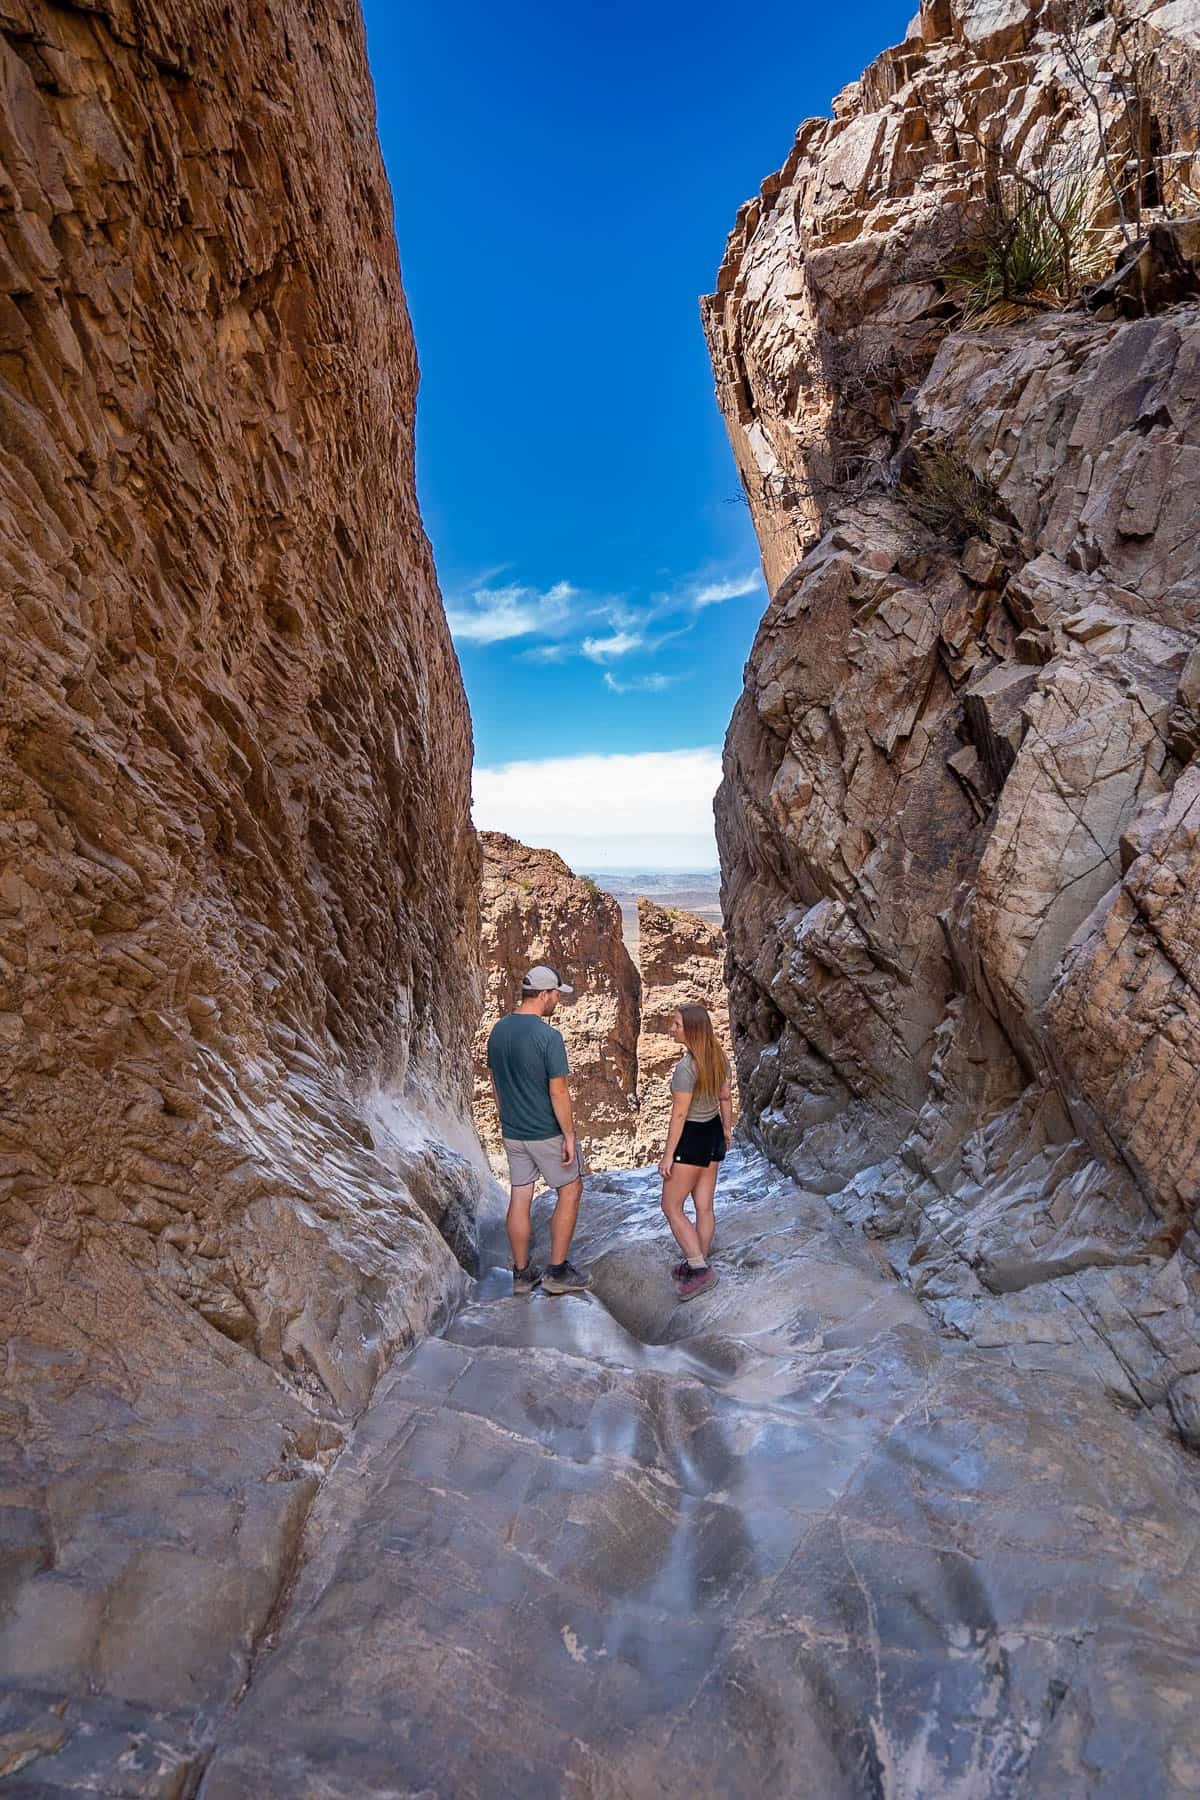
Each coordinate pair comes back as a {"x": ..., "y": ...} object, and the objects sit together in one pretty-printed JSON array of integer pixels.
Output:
[{"x": 701, "y": 1143}]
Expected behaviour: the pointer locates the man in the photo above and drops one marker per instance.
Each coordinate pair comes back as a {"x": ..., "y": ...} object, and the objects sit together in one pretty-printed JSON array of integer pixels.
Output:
[{"x": 527, "y": 1061}]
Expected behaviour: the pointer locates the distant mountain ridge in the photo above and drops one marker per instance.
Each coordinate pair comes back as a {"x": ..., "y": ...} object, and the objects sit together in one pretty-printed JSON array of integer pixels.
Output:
[{"x": 692, "y": 890}]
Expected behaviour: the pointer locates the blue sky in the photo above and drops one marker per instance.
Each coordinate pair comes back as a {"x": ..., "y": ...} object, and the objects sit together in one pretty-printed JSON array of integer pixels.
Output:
[{"x": 564, "y": 180}]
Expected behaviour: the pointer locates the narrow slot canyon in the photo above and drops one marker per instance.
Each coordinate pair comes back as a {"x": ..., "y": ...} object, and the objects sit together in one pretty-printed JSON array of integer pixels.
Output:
[{"x": 298, "y": 1499}]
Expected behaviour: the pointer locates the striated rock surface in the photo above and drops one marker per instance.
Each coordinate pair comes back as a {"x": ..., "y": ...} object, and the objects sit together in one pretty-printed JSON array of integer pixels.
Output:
[
  {"x": 534, "y": 909},
  {"x": 568, "y": 1530},
  {"x": 682, "y": 962},
  {"x": 960, "y": 814},
  {"x": 236, "y": 858}
]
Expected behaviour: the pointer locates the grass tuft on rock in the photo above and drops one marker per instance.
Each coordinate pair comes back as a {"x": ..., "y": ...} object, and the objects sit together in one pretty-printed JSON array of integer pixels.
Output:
[{"x": 942, "y": 492}]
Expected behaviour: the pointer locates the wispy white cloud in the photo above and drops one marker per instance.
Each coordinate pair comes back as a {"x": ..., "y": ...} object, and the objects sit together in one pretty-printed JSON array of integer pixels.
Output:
[
  {"x": 572, "y": 621},
  {"x": 547, "y": 653},
  {"x": 618, "y": 643},
  {"x": 601, "y": 797},
  {"x": 641, "y": 684},
  {"x": 713, "y": 592},
  {"x": 490, "y": 615}
]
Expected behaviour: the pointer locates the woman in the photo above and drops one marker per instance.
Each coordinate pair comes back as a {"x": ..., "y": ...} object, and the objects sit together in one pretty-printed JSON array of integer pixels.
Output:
[{"x": 697, "y": 1138}]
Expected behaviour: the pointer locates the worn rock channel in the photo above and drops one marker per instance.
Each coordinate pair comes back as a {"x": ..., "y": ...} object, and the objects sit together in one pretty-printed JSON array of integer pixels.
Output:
[
  {"x": 787, "y": 1535},
  {"x": 291, "y": 1506}
]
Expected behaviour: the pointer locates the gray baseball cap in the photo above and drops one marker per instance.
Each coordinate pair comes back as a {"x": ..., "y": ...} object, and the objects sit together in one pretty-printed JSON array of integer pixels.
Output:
[{"x": 542, "y": 979}]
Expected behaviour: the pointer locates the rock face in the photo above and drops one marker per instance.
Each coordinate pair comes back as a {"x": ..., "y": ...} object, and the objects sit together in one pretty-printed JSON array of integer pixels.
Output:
[
  {"x": 960, "y": 821},
  {"x": 831, "y": 300},
  {"x": 567, "y": 1529},
  {"x": 535, "y": 910},
  {"x": 235, "y": 842},
  {"x": 682, "y": 960}
]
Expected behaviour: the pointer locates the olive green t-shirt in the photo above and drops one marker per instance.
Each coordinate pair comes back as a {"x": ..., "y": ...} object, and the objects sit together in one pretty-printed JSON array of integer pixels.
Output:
[
  {"x": 683, "y": 1081},
  {"x": 524, "y": 1055}
]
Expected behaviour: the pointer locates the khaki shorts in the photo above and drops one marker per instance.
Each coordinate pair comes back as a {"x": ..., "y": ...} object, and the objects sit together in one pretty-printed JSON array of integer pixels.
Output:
[{"x": 530, "y": 1157}]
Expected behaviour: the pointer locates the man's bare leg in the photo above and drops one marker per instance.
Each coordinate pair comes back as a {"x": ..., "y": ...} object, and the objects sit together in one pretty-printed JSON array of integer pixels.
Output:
[
  {"x": 520, "y": 1199},
  {"x": 562, "y": 1220}
]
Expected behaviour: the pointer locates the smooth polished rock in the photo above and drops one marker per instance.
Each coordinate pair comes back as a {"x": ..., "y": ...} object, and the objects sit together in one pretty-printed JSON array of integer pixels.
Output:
[{"x": 784, "y": 1538}]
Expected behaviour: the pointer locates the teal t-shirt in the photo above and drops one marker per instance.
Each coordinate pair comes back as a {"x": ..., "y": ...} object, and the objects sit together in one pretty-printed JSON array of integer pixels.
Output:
[{"x": 524, "y": 1053}]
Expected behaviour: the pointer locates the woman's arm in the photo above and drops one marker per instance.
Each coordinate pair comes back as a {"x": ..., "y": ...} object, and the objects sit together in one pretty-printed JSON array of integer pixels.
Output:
[
  {"x": 679, "y": 1113},
  {"x": 726, "y": 1104}
]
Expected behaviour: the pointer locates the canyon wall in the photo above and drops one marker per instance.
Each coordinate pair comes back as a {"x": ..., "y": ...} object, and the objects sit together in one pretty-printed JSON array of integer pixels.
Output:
[
  {"x": 960, "y": 818},
  {"x": 682, "y": 961},
  {"x": 536, "y": 910},
  {"x": 239, "y": 929}
]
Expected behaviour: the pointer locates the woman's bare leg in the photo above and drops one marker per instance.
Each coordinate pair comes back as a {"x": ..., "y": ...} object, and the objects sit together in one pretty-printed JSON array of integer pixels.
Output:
[
  {"x": 703, "y": 1194},
  {"x": 676, "y": 1189}
]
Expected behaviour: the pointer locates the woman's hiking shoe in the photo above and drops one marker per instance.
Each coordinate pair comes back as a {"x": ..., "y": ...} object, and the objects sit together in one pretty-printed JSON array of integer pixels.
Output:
[
  {"x": 680, "y": 1269},
  {"x": 564, "y": 1278},
  {"x": 526, "y": 1279},
  {"x": 696, "y": 1281}
]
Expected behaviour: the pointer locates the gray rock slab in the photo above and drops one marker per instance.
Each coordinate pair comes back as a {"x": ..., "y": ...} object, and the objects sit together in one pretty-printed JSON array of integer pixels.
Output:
[{"x": 783, "y": 1537}]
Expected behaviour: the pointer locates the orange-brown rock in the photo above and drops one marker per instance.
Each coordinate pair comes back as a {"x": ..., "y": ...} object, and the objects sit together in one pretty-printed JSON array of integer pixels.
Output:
[
  {"x": 958, "y": 818},
  {"x": 831, "y": 300},
  {"x": 535, "y": 909},
  {"x": 682, "y": 962},
  {"x": 239, "y": 885}
]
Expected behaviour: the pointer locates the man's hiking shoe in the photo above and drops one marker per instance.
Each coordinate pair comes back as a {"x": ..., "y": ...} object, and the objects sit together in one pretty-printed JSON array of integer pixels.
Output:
[
  {"x": 568, "y": 1280},
  {"x": 696, "y": 1281},
  {"x": 526, "y": 1279}
]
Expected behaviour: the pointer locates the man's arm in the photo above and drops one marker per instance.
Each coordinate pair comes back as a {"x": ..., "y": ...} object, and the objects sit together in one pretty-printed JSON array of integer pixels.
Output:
[
  {"x": 495, "y": 1092},
  {"x": 560, "y": 1100}
]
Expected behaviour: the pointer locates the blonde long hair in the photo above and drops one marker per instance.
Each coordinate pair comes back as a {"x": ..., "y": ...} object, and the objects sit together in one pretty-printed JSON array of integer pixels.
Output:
[{"x": 712, "y": 1067}]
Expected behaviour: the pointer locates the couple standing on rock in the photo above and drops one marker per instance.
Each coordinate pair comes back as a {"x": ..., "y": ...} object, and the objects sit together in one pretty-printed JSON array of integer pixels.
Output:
[{"x": 527, "y": 1062}]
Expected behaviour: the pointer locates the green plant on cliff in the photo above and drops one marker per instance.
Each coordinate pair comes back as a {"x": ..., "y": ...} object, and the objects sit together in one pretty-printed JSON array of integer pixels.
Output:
[
  {"x": 1036, "y": 247},
  {"x": 942, "y": 491}
]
